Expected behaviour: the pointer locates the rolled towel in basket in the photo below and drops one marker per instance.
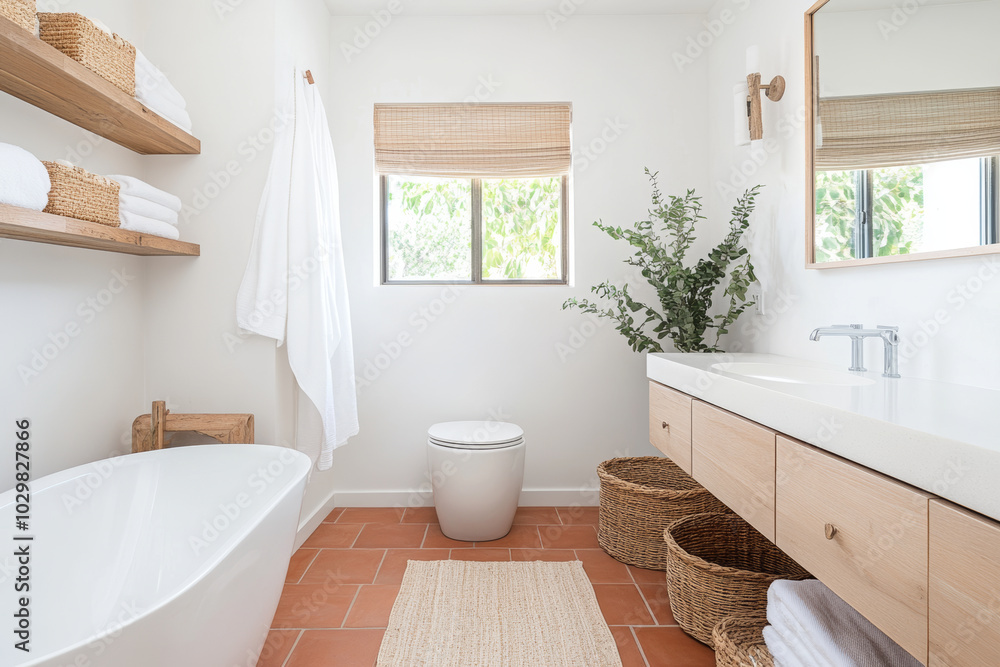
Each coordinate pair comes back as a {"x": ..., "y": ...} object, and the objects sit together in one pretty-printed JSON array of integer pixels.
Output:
[
  {"x": 134, "y": 187},
  {"x": 24, "y": 181},
  {"x": 831, "y": 632},
  {"x": 144, "y": 225},
  {"x": 148, "y": 209}
]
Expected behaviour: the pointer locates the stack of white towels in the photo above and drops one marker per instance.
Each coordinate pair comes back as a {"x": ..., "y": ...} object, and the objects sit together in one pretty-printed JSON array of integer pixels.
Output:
[
  {"x": 811, "y": 627},
  {"x": 24, "y": 180},
  {"x": 147, "y": 210},
  {"x": 154, "y": 90}
]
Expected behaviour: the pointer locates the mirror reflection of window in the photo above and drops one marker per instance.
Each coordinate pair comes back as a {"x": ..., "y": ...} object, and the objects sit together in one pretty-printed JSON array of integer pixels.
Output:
[{"x": 907, "y": 128}]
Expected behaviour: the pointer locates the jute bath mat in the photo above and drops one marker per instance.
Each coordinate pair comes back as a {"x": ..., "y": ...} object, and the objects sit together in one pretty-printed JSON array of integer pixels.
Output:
[{"x": 456, "y": 613}]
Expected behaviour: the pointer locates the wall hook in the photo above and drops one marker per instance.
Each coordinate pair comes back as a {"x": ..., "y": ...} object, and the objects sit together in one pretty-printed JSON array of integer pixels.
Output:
[
  {"x": 309, "y": 76},
  {"x": 775, "y": 91}
]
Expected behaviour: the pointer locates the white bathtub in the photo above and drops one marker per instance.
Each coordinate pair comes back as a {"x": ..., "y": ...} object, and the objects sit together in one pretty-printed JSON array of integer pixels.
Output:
[{"x": 173, "y": 558}]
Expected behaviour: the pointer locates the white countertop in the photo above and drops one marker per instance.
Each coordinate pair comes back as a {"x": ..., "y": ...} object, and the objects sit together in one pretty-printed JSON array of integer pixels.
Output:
[{"x": 940, "y": 437}]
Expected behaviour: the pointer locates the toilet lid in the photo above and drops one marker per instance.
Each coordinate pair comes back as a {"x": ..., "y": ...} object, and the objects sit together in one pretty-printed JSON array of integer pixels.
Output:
[{"x": 475, "y": 434}]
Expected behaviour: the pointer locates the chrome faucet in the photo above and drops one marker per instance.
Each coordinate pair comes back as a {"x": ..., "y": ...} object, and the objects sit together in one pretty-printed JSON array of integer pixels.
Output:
[{"x": 857, "y": 333}]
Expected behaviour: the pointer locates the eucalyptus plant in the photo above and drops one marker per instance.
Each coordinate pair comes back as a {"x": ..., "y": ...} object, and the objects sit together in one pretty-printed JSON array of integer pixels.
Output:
[{"x": 686, "y": 291}]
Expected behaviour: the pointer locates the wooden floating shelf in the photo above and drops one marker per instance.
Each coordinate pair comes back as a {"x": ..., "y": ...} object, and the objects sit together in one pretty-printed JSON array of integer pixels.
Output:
[
  {"x": 43, "y": 76},
  {"x": 25, "y": 225}
]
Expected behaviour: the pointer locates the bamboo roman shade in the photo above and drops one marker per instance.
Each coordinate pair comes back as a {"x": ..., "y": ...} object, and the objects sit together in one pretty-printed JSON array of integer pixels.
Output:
[
  {"x": 473, "y": 140},
  {"x": 894, "y": 130}
]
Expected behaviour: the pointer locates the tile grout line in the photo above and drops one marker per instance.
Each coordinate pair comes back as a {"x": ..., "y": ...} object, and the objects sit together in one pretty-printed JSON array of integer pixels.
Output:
[
  {"x": 295, "y": 643},
  {"x": 347, "y": 614},
  {"x": 638, "y": 645},
  {"x": 385, "y": 554},
  {"x": 306, "y": 569},
  {"x": 642, "y": 597}
]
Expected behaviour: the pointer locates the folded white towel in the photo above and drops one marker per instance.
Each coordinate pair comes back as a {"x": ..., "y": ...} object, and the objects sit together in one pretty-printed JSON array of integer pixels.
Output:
[
  {"x": 136, "y": 188},
  {"x": 151, "y": 82},
  {"x": 791, "y": 641},
  {"x": 782, "y": 653},
  {"x": 24, "y": 180},
  {"x": 174, "y": 114},
  {"x": 144, "y": 225},
  {"x": 148, "y": 209},
  {"x": 832, "y": 632}
]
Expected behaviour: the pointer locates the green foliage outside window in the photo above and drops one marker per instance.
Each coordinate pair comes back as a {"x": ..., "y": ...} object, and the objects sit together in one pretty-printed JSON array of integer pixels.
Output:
[
  {"x": 898, "y": 211},
  {"x": 521, "y": 234},
  {"x": 430, "y": 229}
]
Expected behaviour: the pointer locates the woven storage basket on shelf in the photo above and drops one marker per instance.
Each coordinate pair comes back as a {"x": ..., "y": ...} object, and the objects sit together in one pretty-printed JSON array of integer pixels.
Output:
[
  {"x": 21, "y": 12},
  {"x": 640, "y": 497},
  {"x": 77, "y": 193},
  {"x": 739, "y": 642},
  {"x": 719, "y": 566},
  {"x": 108, "y": 56}
]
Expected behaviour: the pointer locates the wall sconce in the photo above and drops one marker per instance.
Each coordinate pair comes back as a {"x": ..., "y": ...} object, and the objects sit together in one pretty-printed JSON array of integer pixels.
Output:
[{"x": 775, "y": 91}]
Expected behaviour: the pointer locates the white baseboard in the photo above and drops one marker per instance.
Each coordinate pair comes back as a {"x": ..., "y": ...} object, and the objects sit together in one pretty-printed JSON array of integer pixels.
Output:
[
  {"x": 309, "y": 524},
  {"x": 529, "y": 498}
]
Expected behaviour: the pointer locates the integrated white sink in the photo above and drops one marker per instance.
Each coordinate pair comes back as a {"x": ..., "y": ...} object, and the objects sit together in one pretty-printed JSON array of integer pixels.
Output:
[{"x": 793, "y": 374}]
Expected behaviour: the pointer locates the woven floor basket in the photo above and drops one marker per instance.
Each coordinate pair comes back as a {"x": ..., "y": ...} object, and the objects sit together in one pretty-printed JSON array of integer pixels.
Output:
[
  {"x": 21, "y": 12},
  {"x": 739, "y": 642},
  {"x": 108, "y": 56},
  {"x": 640, "y": 497},
  {"x": 77, "y": 193},
  {"x": 719, "y": 566}
]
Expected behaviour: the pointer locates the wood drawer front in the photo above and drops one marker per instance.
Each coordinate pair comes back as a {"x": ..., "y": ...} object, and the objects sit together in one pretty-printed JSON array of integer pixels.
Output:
[
  {"x": 877, "y": 558},
  {"x": 964, "y": 591},
  {"x": 734, "y": 459},
  {"x": 670, "y": 424}
]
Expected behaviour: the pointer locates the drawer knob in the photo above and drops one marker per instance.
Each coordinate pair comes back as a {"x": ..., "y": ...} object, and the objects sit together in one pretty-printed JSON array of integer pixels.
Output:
[
  {"x": 666, "y": 427},
  {"x": 831, "y": 531}
]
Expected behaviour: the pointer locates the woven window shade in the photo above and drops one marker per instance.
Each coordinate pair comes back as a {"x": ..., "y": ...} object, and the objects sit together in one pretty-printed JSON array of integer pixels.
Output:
[
  {"x": 473, "y": 140},
  {"x": 920, "y": 128}
]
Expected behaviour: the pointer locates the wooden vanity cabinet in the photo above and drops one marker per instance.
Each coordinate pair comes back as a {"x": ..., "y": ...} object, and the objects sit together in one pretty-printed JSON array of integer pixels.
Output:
[
  {"x": 734, "y": 459},
  {"x": 862, "y": 534},
  {"x": 670, "y": 424},
  {"x": 964, "y": 589},
  {"x": 924, "y": 571}
]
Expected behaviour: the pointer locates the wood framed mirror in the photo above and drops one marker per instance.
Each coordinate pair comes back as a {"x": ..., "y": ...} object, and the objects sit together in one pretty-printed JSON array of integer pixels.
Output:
[{"x": 903, "y": 138}]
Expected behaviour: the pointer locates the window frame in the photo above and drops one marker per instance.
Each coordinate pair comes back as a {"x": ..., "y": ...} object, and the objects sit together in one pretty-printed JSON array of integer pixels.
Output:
[
  {"x": 989, "y": 208},
  {"x": 476, "y": 223}
]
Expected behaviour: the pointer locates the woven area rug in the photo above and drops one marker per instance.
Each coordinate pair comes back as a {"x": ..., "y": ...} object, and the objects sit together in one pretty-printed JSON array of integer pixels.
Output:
[{"x": 468, "y": 614}]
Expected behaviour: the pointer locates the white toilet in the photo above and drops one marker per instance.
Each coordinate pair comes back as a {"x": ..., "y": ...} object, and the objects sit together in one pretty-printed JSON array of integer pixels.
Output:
[{"x": 477, "y": 469}]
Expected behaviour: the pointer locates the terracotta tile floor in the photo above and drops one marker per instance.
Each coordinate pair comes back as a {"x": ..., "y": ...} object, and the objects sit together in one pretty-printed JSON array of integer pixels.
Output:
[{"x": 343, "y": 581}]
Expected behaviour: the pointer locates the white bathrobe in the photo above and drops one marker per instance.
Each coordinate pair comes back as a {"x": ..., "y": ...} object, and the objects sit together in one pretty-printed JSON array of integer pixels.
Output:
[{"x": 295, "y": 287}]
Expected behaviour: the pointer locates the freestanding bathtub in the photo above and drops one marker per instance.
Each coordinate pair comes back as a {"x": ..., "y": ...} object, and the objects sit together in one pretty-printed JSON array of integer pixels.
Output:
[{"x": 174, "y": 558}]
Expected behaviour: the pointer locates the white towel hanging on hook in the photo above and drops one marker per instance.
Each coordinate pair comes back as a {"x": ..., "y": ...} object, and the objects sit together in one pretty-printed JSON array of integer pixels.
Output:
[{"x": 295, "y": 286}]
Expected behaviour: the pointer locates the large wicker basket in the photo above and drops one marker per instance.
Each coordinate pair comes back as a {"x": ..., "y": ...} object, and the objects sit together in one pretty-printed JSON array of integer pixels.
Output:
[
  {"x": 108, "y": 56},
  {"x": 719, "y": 566},
  {"x": 739, "y": 642},
  {"x": 640, "y": 497},
  {"x": 77, "y": 193},
  {"x": 21, "y": 12}
]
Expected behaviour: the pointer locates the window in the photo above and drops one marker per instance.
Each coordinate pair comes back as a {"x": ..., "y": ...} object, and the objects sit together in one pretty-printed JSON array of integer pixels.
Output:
[
  {"x": 474, "y": 230},
  {"x": 473, "y": 193},
  {"x": 907, "y": 209}
]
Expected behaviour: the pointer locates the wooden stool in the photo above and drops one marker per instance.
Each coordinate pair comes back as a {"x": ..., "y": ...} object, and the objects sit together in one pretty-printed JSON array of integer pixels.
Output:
[{"x": 149, "y": 431}]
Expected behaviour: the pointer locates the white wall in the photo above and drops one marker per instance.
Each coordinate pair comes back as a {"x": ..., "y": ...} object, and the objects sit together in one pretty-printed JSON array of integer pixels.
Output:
[
  {"x": 81, "y": 391},
  {"x": 492, "y": 352},
  {"x": 946, "y": 308},
  {"x": 228, "y": 71}
]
